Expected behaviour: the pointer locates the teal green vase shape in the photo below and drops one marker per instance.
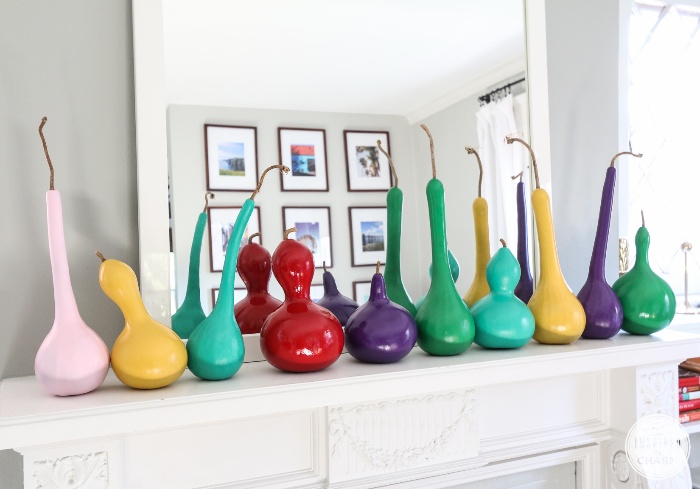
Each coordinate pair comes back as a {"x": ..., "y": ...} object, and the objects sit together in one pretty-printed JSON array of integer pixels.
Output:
[
  {"x": 395, "y": 289},
  {"x": 215, "y": 348},
  {"x": 454, "y": 271},
  {"x": 648, "y": 302},
  {"x": 501, "y": 319},
  {"x": 190, "y": 313}
]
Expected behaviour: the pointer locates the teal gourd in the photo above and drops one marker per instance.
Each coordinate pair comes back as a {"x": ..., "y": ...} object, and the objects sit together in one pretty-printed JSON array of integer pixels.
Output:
[{"x": 501, "y": 319}]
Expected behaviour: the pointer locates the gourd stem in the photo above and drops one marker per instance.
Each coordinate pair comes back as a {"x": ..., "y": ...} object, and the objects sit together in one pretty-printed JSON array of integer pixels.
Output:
[
  {"x": 207, "y": 196},
  {"x": 391, "y": 163},
  {"x": 503, "y": 242},
  {"x": 636, "y": 155},
  {"x": 288, "y": 232},
  {"x": 283, "y": 169},
  {"x": 46, "y": 150},
  {"x": 100, "y": 256},
  {"x": 250, "y": 240},
  {"x": 643, "y": 223},
  {"x": 324, "y": 266},
  {"x": 472, "y": 151},
  {"x": 379, "y": 263},
  {"x": 432, "y": 148},
  {"x": 510, "y": 140}
]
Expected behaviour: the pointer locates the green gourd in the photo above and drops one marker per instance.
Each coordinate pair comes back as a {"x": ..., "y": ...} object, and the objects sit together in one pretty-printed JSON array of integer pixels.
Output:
[
  {"x": 648, "y": 302},
  {"x": 395, "y": 289},
  {"x": 454, "y": 271},
  {"x": 190, "y": 313},
  {"x": 501, "y": 319},
  {"x": 445, "y": 325}
]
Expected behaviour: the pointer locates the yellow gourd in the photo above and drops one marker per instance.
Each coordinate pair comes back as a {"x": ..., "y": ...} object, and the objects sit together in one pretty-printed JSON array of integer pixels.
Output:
[
  {"x": 147, "y": 354},
  {"x": 480, "y": 208},
  {"x": 559, "y": 316}
]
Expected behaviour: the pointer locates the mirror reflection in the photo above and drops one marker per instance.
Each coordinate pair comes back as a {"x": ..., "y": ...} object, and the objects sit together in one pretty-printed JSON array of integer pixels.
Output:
[{"x": 305, "y": 82}]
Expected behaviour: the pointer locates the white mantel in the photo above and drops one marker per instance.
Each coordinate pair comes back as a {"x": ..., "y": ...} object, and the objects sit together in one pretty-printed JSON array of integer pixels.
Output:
[{"x": 354, "y": 424}]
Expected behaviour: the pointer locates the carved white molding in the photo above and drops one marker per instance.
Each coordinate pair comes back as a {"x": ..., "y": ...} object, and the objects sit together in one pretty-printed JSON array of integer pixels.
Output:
[
  {"x": 658, "y": 393},
  {"x": 397, "y": 434},
  {"x": 90, "y": 471},
  {"x": 621, "y": 466}
]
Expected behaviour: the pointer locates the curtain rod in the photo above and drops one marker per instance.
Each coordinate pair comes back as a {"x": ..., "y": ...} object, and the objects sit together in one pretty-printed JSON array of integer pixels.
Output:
[{"x": 486, "y": 98}]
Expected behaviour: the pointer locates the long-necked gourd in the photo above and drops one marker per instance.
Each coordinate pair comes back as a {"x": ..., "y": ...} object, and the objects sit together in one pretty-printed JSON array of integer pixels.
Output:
[
  {"x": 147, "y": 354},
  {"x": 191, "y": 313},
  {"x": 445, "y": 325},
  {"x": 480, "y": 208},
  {"x": 648, "y": 302},
  {"x": 395, "y": 289},
  {"x": 215, "y": 347},
  {"x": 72, "y": 359},
  {"x": 524, "y": 289},
  {"x": 559, "y": 316},
  {"x": 602, "y": 307},
  {"x": 340, "y": 306}
]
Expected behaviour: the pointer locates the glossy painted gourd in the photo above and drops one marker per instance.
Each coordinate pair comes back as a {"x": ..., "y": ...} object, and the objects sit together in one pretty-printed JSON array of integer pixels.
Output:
[
  {"x": 648, "y": 302},
  {"x": 380, "y": 331},
  {"x": 501, "y": 319},
  {"x": 255, "y": 268},
  {"x": 300, "y": 336},
  {"x": 480, "y": 209},
  {"x": 445, "y": 325},
  {"x": 147, "y": 354},
  {"x": 190, "y": 313},
  {"x": 341, "y": 306},
  {"x": 525, "y": 287},
  {"x": 559, "y": 316},
  {"x": 454, "y": 272},
  {"x": 72, "y": 359},
  {"x": 395, "y": 289},
  {"x": 601, "y": 304}
]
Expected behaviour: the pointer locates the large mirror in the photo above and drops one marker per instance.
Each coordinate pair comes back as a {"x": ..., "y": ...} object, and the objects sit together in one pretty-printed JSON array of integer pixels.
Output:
[{"x": 384, "y": 66}]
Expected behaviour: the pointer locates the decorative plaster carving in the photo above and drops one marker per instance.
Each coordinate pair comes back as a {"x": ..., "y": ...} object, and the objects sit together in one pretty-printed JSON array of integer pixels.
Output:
[
  {"x": 430, "y": 424},
  {"x": 90, "y": 471},
  {"x": 657, "y": 393},
  {"x": 620, "y": 466}
]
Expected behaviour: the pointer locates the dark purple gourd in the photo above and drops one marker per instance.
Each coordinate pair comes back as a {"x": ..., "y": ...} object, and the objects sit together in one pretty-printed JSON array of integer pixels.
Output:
[
  {"x": 525, "y": 287},
  {"x": 601, "y": 305},
  {"x": 342, "y": 307},
  {"x": 380, "y": 331}
]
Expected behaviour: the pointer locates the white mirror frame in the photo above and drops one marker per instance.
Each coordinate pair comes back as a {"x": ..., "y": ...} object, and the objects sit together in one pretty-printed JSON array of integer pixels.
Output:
[{"x": 152, "y": 144}]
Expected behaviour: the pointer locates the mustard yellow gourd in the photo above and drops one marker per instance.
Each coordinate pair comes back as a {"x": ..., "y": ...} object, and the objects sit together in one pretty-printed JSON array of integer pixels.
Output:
[
  {"x": 559, "y": 316},
  {"x": 147, "y": 354},
  {"x": 480, "y": 208}
]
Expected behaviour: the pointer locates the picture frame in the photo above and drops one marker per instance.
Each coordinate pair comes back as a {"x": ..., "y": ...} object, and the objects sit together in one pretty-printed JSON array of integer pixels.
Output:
[
  {"x": 220, "y": 221},
  {"x": 316, "y": 292},
  {"x": 367, "y": 167},
  {"x": 313, "y": 229},
  {"x": 361, "y": 290},
  {"x": 367, "y": 235},
  {"x": 231, "y": 157},
  {"x": 238, "y": 294},
  {"x": 304, "y": 152}
]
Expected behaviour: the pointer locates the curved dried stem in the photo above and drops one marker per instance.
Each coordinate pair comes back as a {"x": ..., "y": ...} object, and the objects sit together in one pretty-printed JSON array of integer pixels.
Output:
[
  {"x": 324, "y": 266},
  {"x": 432, "y": 148},
  {"x": 391, "y": 163},
  {"x": 100, "y": 256},
  {"x": 472, "y": 151},
  {"x": 254, "y": 235},
  {"x": 520, "y": 175},
  {"x": 510, "y": 140},
  {"x": 643, "y": 222},
  {"x": 283, "y": 169},
  {"x": 379, "y": 264},
  {"x": 636, "y": 155},
  {"x": 288, "y": 232},
  {"x": 46, "y": 150},
  {"x": 207, "y": 196},
  {"x": 503, "y": 243}
]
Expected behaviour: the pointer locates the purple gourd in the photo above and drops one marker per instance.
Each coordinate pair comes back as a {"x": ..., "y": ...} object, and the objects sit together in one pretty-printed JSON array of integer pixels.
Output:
[
  {"x": 525, "y": 287},
  {"x": 341, "y": 306},
  {"x": 602, "y": 306}
]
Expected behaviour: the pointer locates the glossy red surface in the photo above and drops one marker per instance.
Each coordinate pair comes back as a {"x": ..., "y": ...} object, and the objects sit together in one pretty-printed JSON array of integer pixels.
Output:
[{"x": 254, "y": 265}]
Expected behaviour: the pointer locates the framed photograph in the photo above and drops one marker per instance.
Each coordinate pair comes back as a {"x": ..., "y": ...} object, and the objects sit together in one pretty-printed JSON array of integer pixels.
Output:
[
  {"x": 313, "y": 229},
  {"x": 304, "y": 152},
  {"x": 316, "y": 292},
  {"x": 367, "y": 167},
  {"x": 221, "y": 222},
  {"x": 360, "y": 291},
  {"x": 231, "y": 157},
  {"x": 367, "y": 235},
  {"x": 238, "y": 294}
]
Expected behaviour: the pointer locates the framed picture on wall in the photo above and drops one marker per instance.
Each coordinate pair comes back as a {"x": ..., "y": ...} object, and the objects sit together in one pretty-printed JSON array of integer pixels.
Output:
[
  {"x": 238, "y": 294},
  {"x": 316, "y": 292},
  {"x": 360, "y": 291},
  {"x": 230, "y": 153},
  {"x": 367, "y": 235},
  {"x": 304, "y": 152},
  {"x": 367, "y": 167},
  {"x": 221, "y": 222},
  {"x": 313, "y": 228}
]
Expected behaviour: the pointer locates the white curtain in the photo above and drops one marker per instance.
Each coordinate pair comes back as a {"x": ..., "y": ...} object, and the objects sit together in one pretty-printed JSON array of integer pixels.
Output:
[{"x": 495, "y": 121}]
